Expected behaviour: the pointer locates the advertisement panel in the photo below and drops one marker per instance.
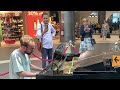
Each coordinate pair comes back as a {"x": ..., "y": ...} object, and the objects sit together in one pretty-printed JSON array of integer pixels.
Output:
[{"x": 33, "y": 19}]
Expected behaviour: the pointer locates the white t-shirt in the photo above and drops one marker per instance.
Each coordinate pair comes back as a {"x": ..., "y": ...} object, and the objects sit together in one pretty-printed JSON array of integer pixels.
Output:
[{"x": 18, "y": 62}]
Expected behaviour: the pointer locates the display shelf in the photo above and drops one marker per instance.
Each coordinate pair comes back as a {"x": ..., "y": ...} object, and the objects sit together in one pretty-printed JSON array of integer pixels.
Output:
[{"x": 11, "y": 28}]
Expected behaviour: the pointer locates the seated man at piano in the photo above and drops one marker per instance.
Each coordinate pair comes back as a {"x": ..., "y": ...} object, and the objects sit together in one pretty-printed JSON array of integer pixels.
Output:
[{"x": 20, "y": 65}]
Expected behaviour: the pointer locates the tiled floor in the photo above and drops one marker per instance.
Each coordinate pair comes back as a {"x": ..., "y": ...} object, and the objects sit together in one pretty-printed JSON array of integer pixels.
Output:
[{"x": 113, "y": 38}]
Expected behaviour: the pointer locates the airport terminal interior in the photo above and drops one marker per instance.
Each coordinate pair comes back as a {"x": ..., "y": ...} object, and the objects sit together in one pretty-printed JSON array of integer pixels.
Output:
[{"x": 103, "y": 59}]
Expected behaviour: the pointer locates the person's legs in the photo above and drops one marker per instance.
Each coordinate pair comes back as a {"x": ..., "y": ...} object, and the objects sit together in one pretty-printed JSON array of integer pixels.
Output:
[
  {"x": 89, "y": 44},
  {"x": 44, "y": 55},
  {"x": 103, "y": 37},
  {"x": 95, "y": 30},
  {"x": 50, "y": 53},
  {"x": 82, "y": 47},
  {"x": 105, "y": 34}
]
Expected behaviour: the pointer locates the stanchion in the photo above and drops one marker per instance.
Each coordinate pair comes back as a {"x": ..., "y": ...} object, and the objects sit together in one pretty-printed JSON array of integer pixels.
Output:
[{"x": 3, "y": 74}]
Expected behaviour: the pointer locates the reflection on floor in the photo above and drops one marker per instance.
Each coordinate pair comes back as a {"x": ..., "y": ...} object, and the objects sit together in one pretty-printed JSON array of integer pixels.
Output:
[{"x": 113, "y": 38}]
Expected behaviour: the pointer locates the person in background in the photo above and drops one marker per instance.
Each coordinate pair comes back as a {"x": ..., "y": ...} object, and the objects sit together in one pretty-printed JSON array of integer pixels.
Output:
[
  {"x": 86, "y": 32},
  {"x": 20, "y": 65},
  {"x": 93, "y": 26},
  {"x": 98, "y": 27},
  {"x": 105, "y": 30},
  {"x": 45, "y": 32},
  {"x": 115, "y": 47},
  {"x": 77, "y": 30}
]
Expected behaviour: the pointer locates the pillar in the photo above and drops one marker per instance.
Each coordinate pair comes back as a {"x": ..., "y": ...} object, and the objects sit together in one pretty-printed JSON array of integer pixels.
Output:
[
  {"x": 24, "y": 22},
  {"x": 69, "y": 25},
  {"x": 101, "y": 17}
]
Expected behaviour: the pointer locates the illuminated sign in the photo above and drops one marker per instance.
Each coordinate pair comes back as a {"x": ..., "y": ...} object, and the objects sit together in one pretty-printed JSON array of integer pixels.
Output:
[{"x": 33, "y": 19}]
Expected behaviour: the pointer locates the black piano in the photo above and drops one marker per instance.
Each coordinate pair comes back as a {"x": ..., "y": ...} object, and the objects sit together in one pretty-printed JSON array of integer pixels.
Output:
[
  {"x": 101, "y": 72},
  {"x": 97, "y": 70},
  {"x": 84, "y": 73}
]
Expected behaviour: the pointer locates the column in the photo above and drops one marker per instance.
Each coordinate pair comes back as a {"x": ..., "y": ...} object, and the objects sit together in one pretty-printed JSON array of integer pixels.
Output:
[
  {"x": 69, "y": 24},
  {"x": 24, "y": 22},
  {"x": 101, "y": 17}
]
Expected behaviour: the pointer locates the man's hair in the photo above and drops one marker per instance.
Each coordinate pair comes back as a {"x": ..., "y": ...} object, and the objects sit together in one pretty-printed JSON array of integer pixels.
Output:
[
  {"x": 44, "y": 14},
  {"x": 24, "y": 41}
]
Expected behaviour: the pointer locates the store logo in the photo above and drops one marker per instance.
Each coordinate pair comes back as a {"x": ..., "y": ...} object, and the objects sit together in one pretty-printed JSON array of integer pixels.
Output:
[{"x": 33, "y": 13}]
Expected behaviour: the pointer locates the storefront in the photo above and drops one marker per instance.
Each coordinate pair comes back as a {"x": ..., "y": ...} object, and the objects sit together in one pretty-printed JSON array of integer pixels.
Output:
[
  {"x": 54, "y": 20},
  {"x": 33, "y": 19},
  {"x": 14, "y": 24},
  {"x": 11, "y": 26}
]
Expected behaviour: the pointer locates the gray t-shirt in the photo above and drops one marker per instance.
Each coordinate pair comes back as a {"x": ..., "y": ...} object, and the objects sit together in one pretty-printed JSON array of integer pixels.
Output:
[{"x": 18, "y": 62}]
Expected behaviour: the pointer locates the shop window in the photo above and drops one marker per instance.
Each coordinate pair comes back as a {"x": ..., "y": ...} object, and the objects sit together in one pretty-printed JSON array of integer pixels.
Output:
[
  {"x": 12, "y": 27},
  {"x": 55, "y": 16},
  {"x": 115, "y": 17}
]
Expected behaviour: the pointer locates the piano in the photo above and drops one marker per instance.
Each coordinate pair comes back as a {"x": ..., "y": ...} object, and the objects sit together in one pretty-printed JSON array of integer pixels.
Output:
[{"x": 90, "y": 68}]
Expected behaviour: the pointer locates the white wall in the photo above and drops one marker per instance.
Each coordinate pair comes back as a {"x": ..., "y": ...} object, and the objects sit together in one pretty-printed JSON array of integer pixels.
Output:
[{"x": 84, "y": 14}]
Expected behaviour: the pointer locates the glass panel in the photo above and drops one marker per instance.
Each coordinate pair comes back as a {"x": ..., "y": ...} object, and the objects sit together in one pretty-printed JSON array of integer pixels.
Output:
[
  {"x": 115, "y": 17},
  {"x": 114, "y": 20}
]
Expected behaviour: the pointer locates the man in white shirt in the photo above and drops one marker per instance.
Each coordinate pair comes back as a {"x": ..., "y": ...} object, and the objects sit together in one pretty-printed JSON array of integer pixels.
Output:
[
  {"x": 20, "y": 64},
  {"x": 45, "y": 31}
]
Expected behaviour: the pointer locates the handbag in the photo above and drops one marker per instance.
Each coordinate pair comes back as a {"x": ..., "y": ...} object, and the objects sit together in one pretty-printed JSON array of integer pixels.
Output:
[
  {"x": 82, "y": 38},
  {"x": 39, "y": 43},
  {"x": 93, "y": 41}
]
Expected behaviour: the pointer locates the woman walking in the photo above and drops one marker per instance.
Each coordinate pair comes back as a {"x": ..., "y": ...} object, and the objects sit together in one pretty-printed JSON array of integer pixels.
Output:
[
  {"x": 105, "y": 30},
  {"x": 86, "y": 32}
]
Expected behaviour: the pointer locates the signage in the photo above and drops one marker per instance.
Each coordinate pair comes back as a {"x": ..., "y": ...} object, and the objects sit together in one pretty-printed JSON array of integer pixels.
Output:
[
  {"x": 115, "y": 61},
  {"x": 33, "y": 19}
]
